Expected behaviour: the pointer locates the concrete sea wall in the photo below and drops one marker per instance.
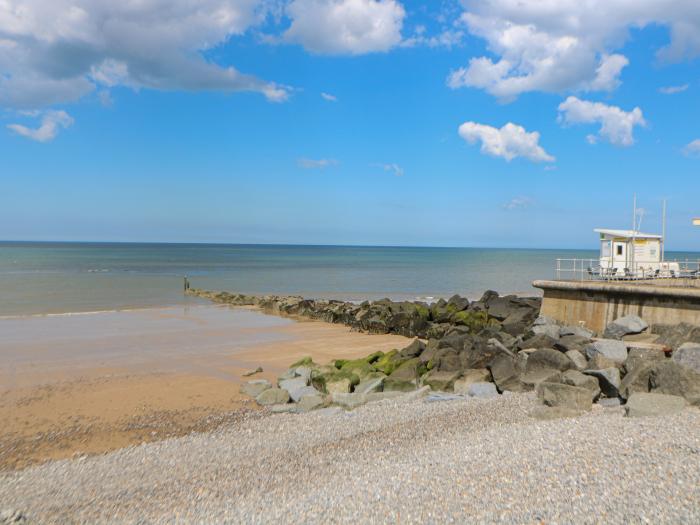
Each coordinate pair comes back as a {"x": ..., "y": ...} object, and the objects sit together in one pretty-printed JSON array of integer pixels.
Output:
[{"x": 599, "y": 303}]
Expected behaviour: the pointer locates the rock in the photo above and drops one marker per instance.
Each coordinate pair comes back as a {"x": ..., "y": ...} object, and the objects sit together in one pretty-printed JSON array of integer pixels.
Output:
[
  {"x": 531, "y": 379},
  {"x": 677, "y": 334},
  {"x": 614, "y": 350},
  {"x": 479, "y": 352},
  {"x": 629, "y": 324},
  {"x": 256, "y": 387},
  {"x": 539, "y": 341},
  {"x": 292, "y": 384},
  {"x": 576, "y": 378},
  {"x": 642, "y": 405},
  {"x": 641, "y": 356},
  {"x": 309, "y": 402},
  {"x": 300, "y": 392},
  {"x": 572, "y": 342},
  {"x": 439, "y": 380},
  {"x": 304, "y": 372},
  {"x": 470, "y": 376},
  {"x": 340, "y": 386},
  {"x": 668, "y": 377},
  {"x": 273, "y": 396},
  {"x": 544, "y": 320},
  {"x": 349, "y": 400},
  {"x": 600, "y": 362},
  {"x": 289, "y": 374},
  {"x": 577, "y": 360},
  {"x": 370, "y": 385},
  {"x": 688, "y": 355},
  {"x": 565, "y": 396},
  {"x": 579, "y": 331},
  {"x": 416, "y": 394},
  {"x": 457, "y": 303},
  {"x": 637, "y": 380},
  {"x": 506, "y": 374},
  {"x": 252, "y": 372},
  {"x": 609, "y": 402},
  {"x": 405, "y": 377},
  {"x": 381, "y": 396},
  {"x": 413, "y": 350},
  {"x": 547, "y": 358},
  {"x": 608, "y": 379},
  {"x": 482, "y": 390},
  {"x": 547, "y": 329}
]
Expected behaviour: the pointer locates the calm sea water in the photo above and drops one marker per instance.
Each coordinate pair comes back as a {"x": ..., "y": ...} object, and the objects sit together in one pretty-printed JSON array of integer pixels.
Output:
[{"x": 38, "y": 278}]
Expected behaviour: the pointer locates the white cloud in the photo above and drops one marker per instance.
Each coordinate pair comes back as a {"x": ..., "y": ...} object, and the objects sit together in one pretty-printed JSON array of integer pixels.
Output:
[
  {"x": 508, "y": 142},
  {"x": 51, "y": 122},
  {"x": 345, "y": 27},
  {"x": 564, "y": 45},
  {"x": 517, "y": 203},
  {"x": 391, "y": 168},
  {"x": 316, "y": 163},
  {"x": 329, "y": 97},
  {"x": 672, "y": 90},
  {"x": 447, "y": 38},
  {"x": 617, "y": 126},
  {"x": 692, "y": 149},
  {"x": 57, "y": 51}
]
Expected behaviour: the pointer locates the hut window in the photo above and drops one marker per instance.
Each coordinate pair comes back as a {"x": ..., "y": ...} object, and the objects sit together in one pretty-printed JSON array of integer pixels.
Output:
[{"x": 619, "y": 249}]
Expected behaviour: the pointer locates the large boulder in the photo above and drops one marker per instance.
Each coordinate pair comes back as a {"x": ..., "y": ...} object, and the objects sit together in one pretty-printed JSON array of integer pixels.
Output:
[
  {"x": 614, "y": 350},
  {"x": 340, "y": 385},
  {"x": 688, "y": 355},
  {"x": 641, "y": 356},
  {"x": 370, "y": 385},
  {"x": 627, "y": 325},
  {"x": 506, "y": 373},
  {"x": 273, "y": 396},
  {"x": 668, "y": 377},
  {"x": 413, "y": 350},
  {"x": 572, "y": 342},
  {"x": 349, "y": 400},
  {"x": 637, "y": 380},
  {"x": 565, "y": 396},
  {"x": 676, "y": 335},
  {"x": 256, "y": 387},
  {"x": 578, "y": 331},
  {"x": 293, "y": 384},
  {"x": 439, "y": 380},
  {"x": 310, "y": 402},
  {"x": 297, "y": 393},
  {"x": 538, "y": 341},
  {"x": 405, "y": 377},
  {"x": 578, "y": 361},
  {"x": 608, "y": 379},
  {"x": 643, "y": 404},
  {"x": 530, "y": 380},
  {"x": 482, "y": 390},
  {"x": 576, "y": 378},
  {"x": 547, "y": 358},
  {"x": 470, "y": 376},
  {"x": 479, "y": 352}
]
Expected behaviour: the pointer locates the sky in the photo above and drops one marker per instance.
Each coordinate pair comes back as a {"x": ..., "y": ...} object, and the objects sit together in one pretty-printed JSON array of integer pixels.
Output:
[{"x": 493, "y": 123}]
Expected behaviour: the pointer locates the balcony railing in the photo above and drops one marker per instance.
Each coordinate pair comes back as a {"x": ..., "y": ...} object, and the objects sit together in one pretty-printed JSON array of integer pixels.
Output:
[{"x": 590, "y": 270}]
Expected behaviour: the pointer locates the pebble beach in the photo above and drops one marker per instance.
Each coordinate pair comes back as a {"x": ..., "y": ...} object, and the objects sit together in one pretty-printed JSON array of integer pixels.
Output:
[{"x": 406, "y": 460}]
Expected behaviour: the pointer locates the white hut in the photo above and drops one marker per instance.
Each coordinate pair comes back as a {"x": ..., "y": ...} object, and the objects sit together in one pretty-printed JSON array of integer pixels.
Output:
[{"x": 630, "y": 253}]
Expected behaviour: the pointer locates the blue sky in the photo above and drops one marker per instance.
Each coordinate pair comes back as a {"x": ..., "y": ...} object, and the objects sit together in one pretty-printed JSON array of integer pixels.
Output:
[{"x": 497, "y": 123}]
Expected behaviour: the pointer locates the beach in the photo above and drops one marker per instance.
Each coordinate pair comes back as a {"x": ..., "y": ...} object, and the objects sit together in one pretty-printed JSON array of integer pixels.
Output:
[{"x": 94, "y": 382}]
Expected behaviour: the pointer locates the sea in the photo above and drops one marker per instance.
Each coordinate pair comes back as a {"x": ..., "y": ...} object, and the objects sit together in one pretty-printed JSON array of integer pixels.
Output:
[{"x": 40, "y": 278}]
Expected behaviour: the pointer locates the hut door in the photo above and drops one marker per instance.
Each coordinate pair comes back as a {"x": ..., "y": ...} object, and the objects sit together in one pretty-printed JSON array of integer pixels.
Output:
[{"x": 619, "y": 252}]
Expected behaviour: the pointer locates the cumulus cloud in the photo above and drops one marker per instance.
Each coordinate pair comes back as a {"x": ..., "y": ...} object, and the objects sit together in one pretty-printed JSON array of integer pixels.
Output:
[
  {"x": 616, "y": 125},
  {"x": 517, "y": 203},
  {"x": 391, "y": 167},
  {"x": 316, "y": 163},
  {"x": 672, "y": 90},
  {"x": 692, "y": 149},
  {"x": 329, "y": 97},
  {"x": 51, "y": 123},
  {"x": 57, "y": 51},
  {"x": 568, "y": 44},
  {"x": 345, "y": 27},
  {"x": 508, "y": 142}
]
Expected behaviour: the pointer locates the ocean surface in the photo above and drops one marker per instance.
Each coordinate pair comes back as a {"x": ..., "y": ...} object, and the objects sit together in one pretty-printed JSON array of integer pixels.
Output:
[{"x": 46, "y": 278}]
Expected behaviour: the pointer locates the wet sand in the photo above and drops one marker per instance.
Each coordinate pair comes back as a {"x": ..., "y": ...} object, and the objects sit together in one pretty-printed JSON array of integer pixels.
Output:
[{"x": 89, "y": 383}]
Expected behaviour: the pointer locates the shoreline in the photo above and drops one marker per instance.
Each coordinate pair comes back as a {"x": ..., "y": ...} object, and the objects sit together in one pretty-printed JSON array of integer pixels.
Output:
[{"x": 181, "y": 373}]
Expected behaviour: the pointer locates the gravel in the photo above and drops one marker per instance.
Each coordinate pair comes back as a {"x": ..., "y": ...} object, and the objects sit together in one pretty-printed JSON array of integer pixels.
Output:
[{"x": 461, "y": 460}]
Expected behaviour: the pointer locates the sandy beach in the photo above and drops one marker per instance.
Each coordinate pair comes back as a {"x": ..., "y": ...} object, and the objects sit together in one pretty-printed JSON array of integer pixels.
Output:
[{"x": 90, "y": 383}]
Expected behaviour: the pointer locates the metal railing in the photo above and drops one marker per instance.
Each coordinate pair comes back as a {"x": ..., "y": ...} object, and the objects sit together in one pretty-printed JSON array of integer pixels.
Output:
[{"x": 590, "y": 270}]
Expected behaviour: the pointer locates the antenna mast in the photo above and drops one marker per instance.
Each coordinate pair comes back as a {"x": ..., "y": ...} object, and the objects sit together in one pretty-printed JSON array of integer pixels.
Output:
[{"x": 663, "y": 232}]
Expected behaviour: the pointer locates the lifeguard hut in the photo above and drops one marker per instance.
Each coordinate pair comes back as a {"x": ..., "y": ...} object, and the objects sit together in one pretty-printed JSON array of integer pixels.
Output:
[{"x": 630, "y": 253}]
